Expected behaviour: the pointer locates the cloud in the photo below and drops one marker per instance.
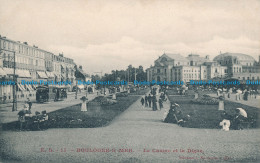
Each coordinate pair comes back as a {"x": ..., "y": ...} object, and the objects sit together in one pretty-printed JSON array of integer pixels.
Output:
[{"x": 106, "y": 35}]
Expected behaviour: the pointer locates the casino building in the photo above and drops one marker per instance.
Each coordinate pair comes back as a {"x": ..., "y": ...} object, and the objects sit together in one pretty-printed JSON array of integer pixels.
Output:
[
  {"x": 174, "y": 67},
  {"x": 32, "y": 63}
]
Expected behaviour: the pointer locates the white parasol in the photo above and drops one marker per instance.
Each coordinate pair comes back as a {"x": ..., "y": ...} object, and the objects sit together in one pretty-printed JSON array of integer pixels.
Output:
[{"x": 242, "y": 112}]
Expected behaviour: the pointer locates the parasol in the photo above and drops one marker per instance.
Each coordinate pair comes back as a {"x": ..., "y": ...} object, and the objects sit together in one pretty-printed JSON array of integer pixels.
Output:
[{"x": 242, "y": 112}]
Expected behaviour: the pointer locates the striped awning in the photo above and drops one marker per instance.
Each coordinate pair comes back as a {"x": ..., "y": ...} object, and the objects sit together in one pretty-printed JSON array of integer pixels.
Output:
[
  {"x": 42, "y": 75},
  {"x": 21, "y": 87}
]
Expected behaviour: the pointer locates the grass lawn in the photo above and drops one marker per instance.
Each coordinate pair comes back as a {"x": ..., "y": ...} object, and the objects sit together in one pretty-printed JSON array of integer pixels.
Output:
[
  {"x": 72, "y": 117},
  {"x": 208, "y": 116}
]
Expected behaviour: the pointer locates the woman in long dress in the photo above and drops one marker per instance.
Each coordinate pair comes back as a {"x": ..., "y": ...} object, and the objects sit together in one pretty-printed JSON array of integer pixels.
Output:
[{"x": 84, "y": 103}]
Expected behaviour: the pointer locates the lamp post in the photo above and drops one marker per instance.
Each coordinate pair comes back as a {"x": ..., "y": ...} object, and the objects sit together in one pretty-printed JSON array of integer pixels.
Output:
[{"x": 14, "y": 107}]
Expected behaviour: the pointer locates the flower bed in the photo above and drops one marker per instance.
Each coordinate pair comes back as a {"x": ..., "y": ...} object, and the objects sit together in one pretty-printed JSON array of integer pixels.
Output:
[
  {"x": 206, "y": 100},
  {"x": 104, "y": 101}
]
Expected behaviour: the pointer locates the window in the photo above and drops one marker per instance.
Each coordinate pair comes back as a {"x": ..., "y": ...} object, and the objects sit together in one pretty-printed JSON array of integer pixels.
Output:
[
  {"x": 216, "y": 70},
  {"x": 158, "y": 70}
]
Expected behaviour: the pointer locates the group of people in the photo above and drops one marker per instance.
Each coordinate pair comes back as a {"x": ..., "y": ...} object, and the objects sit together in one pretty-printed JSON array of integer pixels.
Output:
[
  {"x": 28, "y": 121},
  {"x": 236, "y": 121},
  {"x": 240, "y": 94},
  {"x": 151, "y": 101},
  {"x": 175, "y": 115}
]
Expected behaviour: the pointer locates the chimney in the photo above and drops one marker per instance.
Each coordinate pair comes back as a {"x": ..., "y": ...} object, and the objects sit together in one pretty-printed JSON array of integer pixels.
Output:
[
  {"x": 61, "y": 54},
  {"x": 80, "y": 67},
  {"x": 207, "y": 57}
]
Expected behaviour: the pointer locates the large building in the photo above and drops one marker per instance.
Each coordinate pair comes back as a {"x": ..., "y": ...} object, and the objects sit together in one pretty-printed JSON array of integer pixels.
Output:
[
  {"x": 174, "y": 67},
  {"x": 32, "y": 63},
  {"x": 239, "y": 66}
]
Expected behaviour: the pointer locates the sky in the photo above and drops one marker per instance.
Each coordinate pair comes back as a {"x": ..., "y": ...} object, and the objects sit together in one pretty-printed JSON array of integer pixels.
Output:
[{"x": 104, "y": 35}]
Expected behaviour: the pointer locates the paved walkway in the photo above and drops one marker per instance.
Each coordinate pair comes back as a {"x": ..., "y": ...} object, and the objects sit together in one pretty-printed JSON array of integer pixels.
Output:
[
  {"x": 252, "y": 101},
  {"x": 6, "y": 115},
  {"x": 136, "y": 130}
]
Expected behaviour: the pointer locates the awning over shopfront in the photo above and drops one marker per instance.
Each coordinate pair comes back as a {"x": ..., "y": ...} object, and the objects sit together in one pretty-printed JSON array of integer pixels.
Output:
[
  {"x": 21, "y": 87},
  {"x": 50, "y": 74},
  {"x": 20, "y": 73},
  {"x": 29, "y": 87},
  {"x": 63, "y": 76},
  {"x": 2, "y": 72},
  {"x": 35, "y": 86},
  {"x": 42, "y": 75}
]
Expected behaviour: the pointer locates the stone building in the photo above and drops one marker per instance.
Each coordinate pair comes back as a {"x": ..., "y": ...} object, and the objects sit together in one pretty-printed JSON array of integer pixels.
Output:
[
  {"x": 174, "y": 67},
  {"x": 32, "y": 63}
]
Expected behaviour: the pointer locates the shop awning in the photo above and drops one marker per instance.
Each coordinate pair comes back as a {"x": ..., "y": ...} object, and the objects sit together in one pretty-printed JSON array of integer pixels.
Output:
[
  {"x": 50, "y": 74},
  {"x": 20, "y": 73},
  {"x": 2, "y": 72},
  {"x": 29, "y": 87},
  {"x": 21, "y": 87},
  {"x": 26, "y": 74},
  {"x": 42, "y": 74},
  {"x": 63, "y": 75},
  {"x": 34, "y": 86}
]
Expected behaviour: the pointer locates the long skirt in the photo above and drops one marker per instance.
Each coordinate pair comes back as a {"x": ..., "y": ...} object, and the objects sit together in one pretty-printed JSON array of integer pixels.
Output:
[{"x": 84, "y": 106}]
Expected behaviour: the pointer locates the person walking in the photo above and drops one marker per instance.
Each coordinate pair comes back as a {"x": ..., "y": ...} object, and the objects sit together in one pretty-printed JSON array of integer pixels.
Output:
[
  {"x": 154, "y": 102},
  {"x": 149, "y": 100},
  {"x": 160, "y": 103},
  {"x": 146, "y": 101},
  {"x": 29, "y": 103},
  {"x": 142, "y": 102}
]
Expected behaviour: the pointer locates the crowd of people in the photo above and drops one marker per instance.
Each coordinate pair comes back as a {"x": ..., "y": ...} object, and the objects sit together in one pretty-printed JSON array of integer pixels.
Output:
[
  {"x": 151, "y": 101},
  {"x": 240, "y": 94}
]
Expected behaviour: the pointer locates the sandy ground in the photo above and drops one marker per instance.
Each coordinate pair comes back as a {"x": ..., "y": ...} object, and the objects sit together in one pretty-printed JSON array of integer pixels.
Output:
[{"x": 133, "y": 131}]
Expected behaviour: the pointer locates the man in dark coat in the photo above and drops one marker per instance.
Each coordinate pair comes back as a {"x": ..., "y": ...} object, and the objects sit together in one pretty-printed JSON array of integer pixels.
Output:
[
  {"x": 142, "y": 102},
  {"x": 149, "y": 100},
  {"x": 146, "y": 101},
  {"x": 161, "y": 103},
  {"x": 154, "y": 101}
]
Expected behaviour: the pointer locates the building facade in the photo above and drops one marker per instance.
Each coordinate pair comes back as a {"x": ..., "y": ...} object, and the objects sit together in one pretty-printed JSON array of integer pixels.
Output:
[
  {"x": 32, "y": 63},
  {"x": 174, "y": 67}
]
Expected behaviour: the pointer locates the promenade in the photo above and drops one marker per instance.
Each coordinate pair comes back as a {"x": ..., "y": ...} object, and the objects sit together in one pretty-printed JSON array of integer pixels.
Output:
[
  {"x": 7, "y": 115},
  {"x": 137, "y": 135}
]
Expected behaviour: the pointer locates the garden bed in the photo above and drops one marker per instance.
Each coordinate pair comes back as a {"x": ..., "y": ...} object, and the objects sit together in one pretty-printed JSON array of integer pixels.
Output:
[
  {"x": 72, "y": 117},
  {"x": 208, "y": 116}
]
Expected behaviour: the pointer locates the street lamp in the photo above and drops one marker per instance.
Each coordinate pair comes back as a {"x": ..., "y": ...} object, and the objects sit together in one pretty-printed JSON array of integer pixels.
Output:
[{"x": 14, "y": 108}]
